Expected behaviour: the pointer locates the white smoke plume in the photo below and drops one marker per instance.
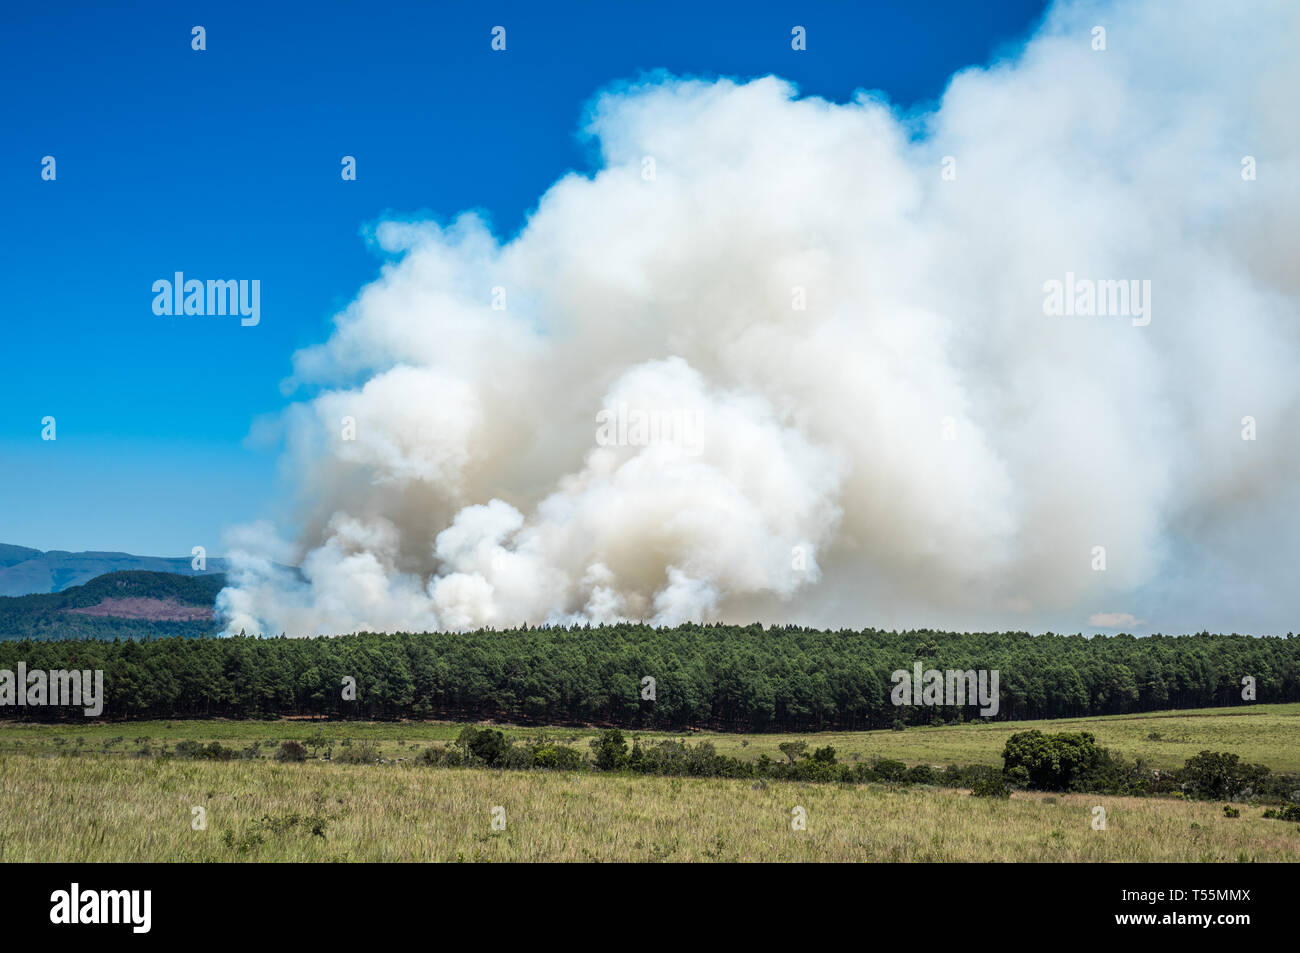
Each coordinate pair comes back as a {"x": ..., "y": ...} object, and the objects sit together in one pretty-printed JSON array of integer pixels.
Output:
[{"x": 771, "y": 363}]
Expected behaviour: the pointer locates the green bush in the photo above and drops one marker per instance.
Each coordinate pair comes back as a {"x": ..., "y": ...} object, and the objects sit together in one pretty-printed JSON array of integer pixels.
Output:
[
  {"x": 483, "y": 745},
  {"x": 610, "y": 749},
  {"x": 887, "y": 769},
  {"x": 809, "y": 769},
  {"x": 989, "y": 782},
  {"x": 515, "y": 757},
  {"x": 1220, "y": 776},
  {"x": 1291, "y": 812},
  {"x": 198, "y": 751},
  {"x": 920, "y": 774},
  {"x": 557, "y": 757},
  {"x": 1055, "y": 762},
  {"x": 824, "y": 755}
]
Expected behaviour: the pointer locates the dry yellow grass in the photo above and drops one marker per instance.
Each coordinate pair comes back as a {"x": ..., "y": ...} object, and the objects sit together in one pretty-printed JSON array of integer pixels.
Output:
[{"x": 94, "y": 808}]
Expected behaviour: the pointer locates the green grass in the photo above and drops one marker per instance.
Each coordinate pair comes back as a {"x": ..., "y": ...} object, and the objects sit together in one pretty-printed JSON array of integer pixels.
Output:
[{"x": 1264, "y": 734}]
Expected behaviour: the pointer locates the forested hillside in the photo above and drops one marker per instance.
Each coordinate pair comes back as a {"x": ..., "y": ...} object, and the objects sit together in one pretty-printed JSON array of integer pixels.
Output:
[
  {"x": 727, "y": 677},
  {"x": 117, "y": 605}
]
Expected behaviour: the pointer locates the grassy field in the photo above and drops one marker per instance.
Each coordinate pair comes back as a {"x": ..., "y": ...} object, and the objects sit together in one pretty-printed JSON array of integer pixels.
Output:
[
  {"x": 1265, "y": 734},
  {"x": 93, "y": 808},
  {"x": 73, "y": 793}
]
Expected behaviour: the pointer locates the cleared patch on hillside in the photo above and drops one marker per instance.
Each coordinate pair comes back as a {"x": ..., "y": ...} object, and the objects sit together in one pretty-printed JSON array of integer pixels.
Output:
[{"x": 153, "y": 610}]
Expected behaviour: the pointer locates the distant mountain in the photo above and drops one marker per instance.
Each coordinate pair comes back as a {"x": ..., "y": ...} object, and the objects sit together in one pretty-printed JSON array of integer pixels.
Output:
[
  {"x": 131, "y": 604},
  {"x": 15, "y": 554},
  {"x": 24, "y": 571}
]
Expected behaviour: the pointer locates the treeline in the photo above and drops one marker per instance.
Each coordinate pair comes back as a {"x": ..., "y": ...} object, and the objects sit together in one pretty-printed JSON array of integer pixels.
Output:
[{"x": 741, "y": 678}]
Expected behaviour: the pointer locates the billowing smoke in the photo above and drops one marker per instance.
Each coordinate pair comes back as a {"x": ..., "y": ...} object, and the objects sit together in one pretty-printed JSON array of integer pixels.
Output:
[{"x": 783, "y": 359}]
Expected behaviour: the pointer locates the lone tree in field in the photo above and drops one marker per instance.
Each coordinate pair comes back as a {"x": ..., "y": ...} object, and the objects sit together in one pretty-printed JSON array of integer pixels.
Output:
[{"x": 793, "y": 749}]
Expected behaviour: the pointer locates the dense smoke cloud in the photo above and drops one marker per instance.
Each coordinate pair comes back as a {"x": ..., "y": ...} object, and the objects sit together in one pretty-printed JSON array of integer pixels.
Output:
[{"x": 771, "y": 363}]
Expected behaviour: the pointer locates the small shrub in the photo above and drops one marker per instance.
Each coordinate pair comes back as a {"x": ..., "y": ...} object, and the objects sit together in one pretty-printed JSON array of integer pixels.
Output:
[
  {"x": 1290, "y": 812},
  {"x": 194, "y": 750},
  {"x": 365, "y": 753},
  {"x": 438, "y": 756},
  {"x": 824, "y": 755},
  {"x": 290, "y": 751}
]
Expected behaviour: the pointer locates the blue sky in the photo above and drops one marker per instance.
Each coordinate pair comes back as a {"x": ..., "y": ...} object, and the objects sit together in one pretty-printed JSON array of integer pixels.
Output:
[{"x": 225, "y": 164}]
